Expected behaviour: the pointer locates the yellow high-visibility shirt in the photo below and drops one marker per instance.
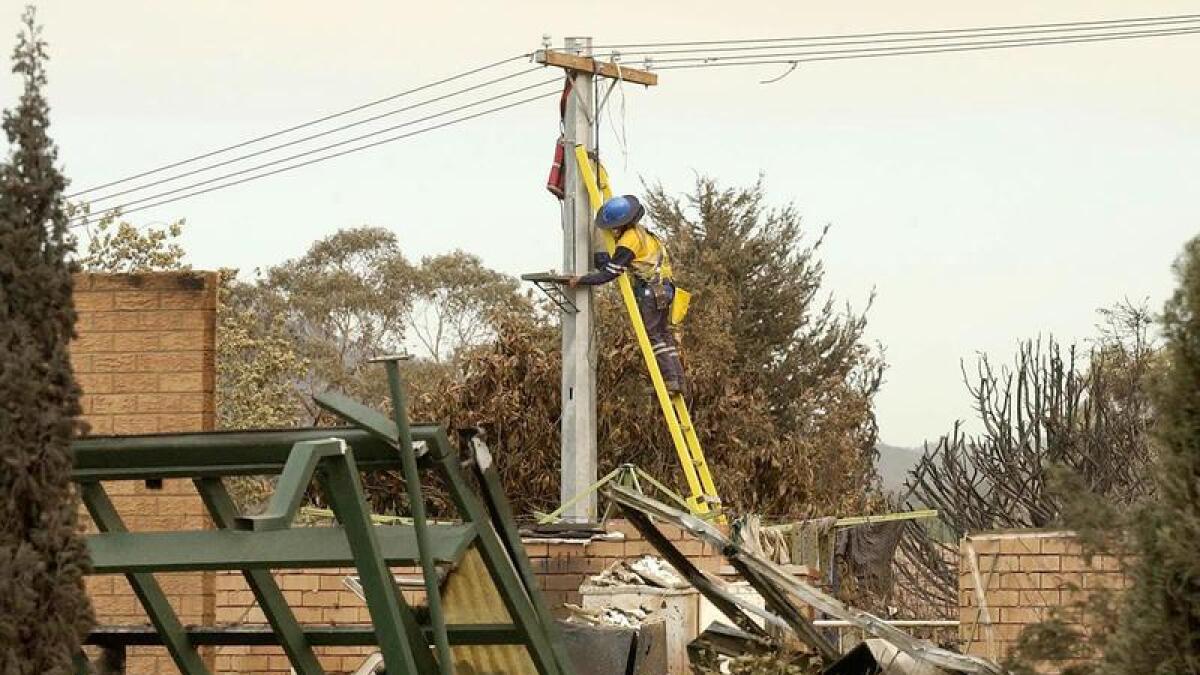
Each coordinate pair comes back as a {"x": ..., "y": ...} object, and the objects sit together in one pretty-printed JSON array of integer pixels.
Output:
[{"x": 649, "y": 255}]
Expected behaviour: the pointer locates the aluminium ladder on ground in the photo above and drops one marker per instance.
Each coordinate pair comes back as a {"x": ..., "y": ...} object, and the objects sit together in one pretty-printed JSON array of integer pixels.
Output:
[{"x": 702, "y": 492}]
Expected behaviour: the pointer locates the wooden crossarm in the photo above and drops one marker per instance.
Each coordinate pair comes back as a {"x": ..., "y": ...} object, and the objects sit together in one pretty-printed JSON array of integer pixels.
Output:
[{"x": 587, "y": 64}]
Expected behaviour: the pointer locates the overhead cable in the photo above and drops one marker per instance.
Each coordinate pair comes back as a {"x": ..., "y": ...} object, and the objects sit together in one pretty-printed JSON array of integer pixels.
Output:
[
  {"x": 832, "y": 41},
  {"x": 327, "y": 132},
  {"x": 942, "y": 31},
  {"x": 297, "y": 127},
  {"x": 839, "y": 55},
  {"x": 98, "y": 217}
]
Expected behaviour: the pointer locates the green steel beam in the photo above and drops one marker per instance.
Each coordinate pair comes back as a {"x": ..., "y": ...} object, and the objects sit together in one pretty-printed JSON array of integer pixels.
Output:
[
  {"x": 400, "y": 638},
  {"x": 368, "y": 419},
  {"x": 221, "y": 453},
  {"x": 145, "y": 586},
  {"x": 495, "y": 556},
  {"x": 293, "y": 483},
  {"x": 416, "y": 503},
  {"x": 461, "y": 635},
  {"x": 505, "y": 522},
  {"x": 266, "y": 592},
  {"x": 397, "y": 432},
  {"x": 120, "y": 552}
]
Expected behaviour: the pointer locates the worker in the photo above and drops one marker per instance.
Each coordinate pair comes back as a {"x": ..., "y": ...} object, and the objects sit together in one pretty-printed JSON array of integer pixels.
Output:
[{"x": 642, "y": 253}]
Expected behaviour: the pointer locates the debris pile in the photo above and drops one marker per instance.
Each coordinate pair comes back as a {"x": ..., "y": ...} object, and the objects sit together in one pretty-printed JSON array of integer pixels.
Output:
[
  {"x": 890, "y": 651},
  {"x": 644, "y": 571}
]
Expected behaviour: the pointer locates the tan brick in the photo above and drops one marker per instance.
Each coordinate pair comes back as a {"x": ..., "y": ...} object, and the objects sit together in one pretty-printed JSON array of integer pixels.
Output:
[
  {"x": 113, "y": 363},
  {"x": 989, "y": 564},
  {"x": 1019, "y": 580},
  {"x": 135, "y": 300},
  {"x": 186, "y": 300},
  {"x": 95, "y": 383},
  {"x": 1021, "y": 615},
  {"x": 1039, "y": 598},
  {"x": 1023, "y": 546},
  {"x": 175, "y": 320},
  {"x": 171, "y": 362},
  {"x": 185, "y": 382},
  {"x": 99, "y": 425},
  {"x": 606, "y": 548},
  {"x": 299, "y": 582},
  {"x": 135, "y": 383},
  {"x": 109, "y": 322},
  {"x": 173, "y": 403},
  {"x": 92, "y": 343},
  {"x": 1061, "y": 545},
  {"x": 134, "y": 424},
  {"x": 1040, "y": 563},
  {"x": 113, "y": 404},
  {"x": 182, "y": 423},
  {"x": 136, "y": 341},
  {"x": 339, "y": 615},
  {"x": 1003, "y": 598},
  {"x": 180, "y": 341},
  {"x": 93, "y": 301},
  {"x": 1061, "y": 580}
]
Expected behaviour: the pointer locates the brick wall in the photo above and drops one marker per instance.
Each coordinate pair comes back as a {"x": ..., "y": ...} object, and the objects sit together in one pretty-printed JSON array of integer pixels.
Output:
[
  {"x": 145, "y": 360},
  {"x": 1023, "y": 576},
  {"x": 319, "y": 596},
  {"x": 144, "y": 357}
]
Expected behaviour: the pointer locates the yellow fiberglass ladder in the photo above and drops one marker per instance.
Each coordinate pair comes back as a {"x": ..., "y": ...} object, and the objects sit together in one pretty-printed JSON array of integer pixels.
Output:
[{"x": 702, "y": 498}]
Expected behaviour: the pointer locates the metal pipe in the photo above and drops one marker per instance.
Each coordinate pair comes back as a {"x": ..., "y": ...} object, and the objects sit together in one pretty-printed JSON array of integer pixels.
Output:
[{"x": 416, "y": 503}]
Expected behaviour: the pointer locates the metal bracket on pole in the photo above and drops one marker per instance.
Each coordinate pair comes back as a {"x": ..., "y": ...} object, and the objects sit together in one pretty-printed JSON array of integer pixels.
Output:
[{"x": 551, "y": 285}]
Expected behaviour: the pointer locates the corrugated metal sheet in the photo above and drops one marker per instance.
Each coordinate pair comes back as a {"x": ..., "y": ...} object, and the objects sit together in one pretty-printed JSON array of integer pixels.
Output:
[{"x": 471, "y": 597}]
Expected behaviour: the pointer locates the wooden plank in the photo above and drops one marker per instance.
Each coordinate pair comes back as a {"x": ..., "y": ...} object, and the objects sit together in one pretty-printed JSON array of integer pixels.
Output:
[
  {"x": 130, "y": 552},
  {"x": 601, "y": 68}
]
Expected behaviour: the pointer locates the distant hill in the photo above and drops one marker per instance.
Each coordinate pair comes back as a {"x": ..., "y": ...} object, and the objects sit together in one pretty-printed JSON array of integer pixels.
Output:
[{"x": 895, "y": 463}]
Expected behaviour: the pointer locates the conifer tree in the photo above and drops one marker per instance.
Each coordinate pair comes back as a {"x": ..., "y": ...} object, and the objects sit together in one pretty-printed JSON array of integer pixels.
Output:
[
  {"x": 44, "y": 612},
  {"x": 1160, "y": 623}
]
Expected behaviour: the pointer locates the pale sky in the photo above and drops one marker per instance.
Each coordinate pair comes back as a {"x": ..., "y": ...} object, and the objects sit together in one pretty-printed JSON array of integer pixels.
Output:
[{"x": 986, "y": 196}]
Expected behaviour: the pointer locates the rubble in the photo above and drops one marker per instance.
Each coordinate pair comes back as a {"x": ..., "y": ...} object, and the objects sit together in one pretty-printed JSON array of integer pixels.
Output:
[
  {"x": 785, "y": 595},
  {"x": 644, "y": 571}
]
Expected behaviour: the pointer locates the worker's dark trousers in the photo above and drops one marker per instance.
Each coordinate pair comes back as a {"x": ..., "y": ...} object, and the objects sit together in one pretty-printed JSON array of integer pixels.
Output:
[{"x": 655, "y": 309}]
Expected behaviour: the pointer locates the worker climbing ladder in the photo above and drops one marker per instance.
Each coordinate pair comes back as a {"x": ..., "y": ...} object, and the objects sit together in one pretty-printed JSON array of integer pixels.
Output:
[{"x": 702, "y": 492}]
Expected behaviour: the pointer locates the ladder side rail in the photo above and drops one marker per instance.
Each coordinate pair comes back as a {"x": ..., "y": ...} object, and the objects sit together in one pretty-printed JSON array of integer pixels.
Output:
[{"x": 699, "y": 504}]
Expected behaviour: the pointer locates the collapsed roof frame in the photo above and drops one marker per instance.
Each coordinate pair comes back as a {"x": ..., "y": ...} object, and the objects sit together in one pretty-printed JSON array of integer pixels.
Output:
[{"x": 780, "y": 590}]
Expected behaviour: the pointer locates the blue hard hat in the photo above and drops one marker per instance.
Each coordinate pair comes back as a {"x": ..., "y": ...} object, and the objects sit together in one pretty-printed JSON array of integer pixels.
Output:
[{"x": 619, "y": 212}]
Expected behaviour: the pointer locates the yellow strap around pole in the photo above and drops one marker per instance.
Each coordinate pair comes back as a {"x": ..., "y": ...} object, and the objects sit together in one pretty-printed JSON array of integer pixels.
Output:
[{"x": 695, "y": 471}]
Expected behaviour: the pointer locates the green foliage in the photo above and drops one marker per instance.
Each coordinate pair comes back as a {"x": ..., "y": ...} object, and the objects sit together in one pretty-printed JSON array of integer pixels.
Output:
[
  {"x": 343, "y": 302},
  {"x": 44, "y": 613},
  {"x": 257, "y": 363},
  {"x": 456, "y": 300},
  {"x": 119, "y": 247},
  {"x": 1159, "y": 630}
]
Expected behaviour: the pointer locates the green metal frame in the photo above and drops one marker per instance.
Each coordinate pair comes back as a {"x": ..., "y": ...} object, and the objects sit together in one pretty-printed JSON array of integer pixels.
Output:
[{"x": 255, "y": 545}]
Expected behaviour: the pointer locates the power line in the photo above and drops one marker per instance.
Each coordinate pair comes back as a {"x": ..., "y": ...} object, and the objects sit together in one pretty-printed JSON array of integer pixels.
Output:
[
  {"x": 941, "y": 31},
  {"x": 308, "y": 153},
  {"x": 840, "y": 55},
  {"x": 98, "y": 217},
  {"x": 319, "y": 120},
  {"x": 305, "y": 139},
  {"x": 800, "y": 42}
]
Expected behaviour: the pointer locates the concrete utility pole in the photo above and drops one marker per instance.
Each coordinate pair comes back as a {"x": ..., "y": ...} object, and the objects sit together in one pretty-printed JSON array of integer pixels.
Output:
[{"x": 579, "y": 467}]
